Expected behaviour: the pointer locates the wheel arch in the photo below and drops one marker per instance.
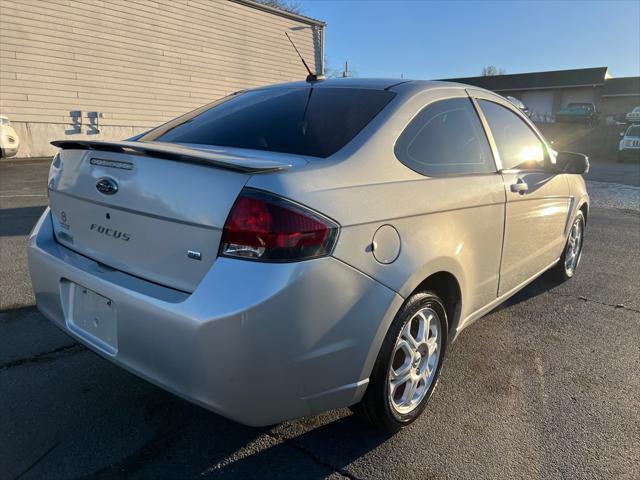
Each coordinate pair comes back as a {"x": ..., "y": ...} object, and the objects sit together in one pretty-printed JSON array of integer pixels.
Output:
[
  {"x": 444, "y": 278},
  {"x": 584, "y": 208},
  {"x": 447, "y": 287}
]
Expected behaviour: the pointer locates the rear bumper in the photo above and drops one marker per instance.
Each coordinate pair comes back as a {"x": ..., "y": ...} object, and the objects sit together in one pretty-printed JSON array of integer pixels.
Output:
[{"x": 257, "y": 343}]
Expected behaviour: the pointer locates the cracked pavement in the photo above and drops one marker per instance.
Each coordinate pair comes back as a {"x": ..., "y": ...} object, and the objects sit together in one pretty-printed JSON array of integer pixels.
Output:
[{"x": 545, "y": 386}]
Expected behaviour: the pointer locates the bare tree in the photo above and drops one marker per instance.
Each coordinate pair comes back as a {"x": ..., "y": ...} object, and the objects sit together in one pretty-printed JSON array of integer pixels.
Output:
[
  {"x": 286, "y": 5},
  {"x": 331, "y": 72},
  {"x": 491, "y": 70}
]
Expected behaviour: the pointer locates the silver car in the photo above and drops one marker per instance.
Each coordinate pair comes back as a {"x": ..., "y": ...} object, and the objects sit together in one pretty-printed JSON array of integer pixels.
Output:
[
  {"x": 308, "y": 246},
  {"x": 629, "y": 146}
]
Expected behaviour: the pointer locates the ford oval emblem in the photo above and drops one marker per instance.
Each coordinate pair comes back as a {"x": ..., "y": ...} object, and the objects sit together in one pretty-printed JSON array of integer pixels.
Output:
[{"x": 108, "y": 186}]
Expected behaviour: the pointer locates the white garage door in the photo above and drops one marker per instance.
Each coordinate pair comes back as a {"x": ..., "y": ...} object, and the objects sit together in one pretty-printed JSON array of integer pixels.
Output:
[{"x": 540, "y": 103}]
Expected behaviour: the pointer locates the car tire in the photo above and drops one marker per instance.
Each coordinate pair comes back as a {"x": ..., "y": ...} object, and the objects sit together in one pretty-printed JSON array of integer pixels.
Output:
[
  {"x": 572, "y": 253},
  {"x": 388, "y": 403}
]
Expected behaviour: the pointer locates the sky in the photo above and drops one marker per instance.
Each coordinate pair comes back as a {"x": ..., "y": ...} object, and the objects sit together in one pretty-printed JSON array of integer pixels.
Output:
[{"x": 429, "y": 40}]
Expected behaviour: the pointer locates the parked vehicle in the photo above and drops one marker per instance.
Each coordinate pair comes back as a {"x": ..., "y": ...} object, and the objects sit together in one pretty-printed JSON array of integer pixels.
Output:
[
  {"x": 633, "y": 116},
  {"x": 9, "y": 140},
  {"x": 518, "y": 103},
  {"x": 629, "y": 146},
  {"x": 579, "y": 113},
  {"x": 307, "y": 246}
]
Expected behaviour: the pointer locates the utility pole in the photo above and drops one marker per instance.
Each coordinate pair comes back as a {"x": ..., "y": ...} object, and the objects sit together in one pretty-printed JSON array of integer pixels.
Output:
[{"x": 345, "y": 73}]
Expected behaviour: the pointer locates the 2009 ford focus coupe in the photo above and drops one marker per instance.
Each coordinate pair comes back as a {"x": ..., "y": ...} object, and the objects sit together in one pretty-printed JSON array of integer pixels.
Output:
[{"x": 306, "y": 246}]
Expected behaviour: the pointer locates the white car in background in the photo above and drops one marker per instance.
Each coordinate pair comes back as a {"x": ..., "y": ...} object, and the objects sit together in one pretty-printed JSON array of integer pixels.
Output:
[
  {"x": 9, "y": 140},
  {"x": 629, "y": 146},
  {"x": 634, "y": 115}
]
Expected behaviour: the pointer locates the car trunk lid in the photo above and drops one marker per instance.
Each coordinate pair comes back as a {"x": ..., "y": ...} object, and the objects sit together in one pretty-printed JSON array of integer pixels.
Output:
[{"x": 155, "y": 211}]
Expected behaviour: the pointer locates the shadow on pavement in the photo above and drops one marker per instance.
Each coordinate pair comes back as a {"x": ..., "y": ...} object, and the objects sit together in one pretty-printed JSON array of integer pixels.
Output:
[
  {"x": 110, "y": 424},
  {"x": 542, "y": 284},
  {"x": 192, "y": 442},
  {"x": 334, "y": 445},
  {"x": 11, "y": 314}
]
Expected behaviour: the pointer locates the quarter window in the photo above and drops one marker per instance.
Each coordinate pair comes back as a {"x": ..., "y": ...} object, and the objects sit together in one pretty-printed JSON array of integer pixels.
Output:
[
  {"x": 445, "y": 138},
  {"x": 518, "y": 146}
]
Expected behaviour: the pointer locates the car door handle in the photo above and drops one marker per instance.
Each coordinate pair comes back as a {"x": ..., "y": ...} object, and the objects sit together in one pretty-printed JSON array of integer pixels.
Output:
[{"x": 520, "y": 187}]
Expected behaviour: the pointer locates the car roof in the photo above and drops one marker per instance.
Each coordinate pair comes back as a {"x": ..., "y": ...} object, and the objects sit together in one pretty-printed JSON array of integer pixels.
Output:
[{"x": 370, "y": 83}]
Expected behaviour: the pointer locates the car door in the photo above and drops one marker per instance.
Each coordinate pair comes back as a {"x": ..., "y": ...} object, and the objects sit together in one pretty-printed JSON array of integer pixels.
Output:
[{"x": 537, "y": 198}]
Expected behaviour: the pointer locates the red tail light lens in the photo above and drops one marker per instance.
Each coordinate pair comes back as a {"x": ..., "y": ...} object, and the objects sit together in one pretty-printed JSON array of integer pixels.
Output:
[{"x": 268, "y": 228}]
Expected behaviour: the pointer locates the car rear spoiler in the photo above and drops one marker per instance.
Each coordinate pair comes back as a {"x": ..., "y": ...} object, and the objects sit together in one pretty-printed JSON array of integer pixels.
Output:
[{"x": 171, "y": 151}]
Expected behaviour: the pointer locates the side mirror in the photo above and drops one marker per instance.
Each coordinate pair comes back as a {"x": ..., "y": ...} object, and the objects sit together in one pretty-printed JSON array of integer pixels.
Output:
[{"x": 570, "y": 162}]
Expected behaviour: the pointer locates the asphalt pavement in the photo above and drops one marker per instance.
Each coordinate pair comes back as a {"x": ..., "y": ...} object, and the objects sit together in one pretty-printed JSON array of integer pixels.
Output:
[
  {"x": 546, "y": 386},
  {"x": 623, "y": 173}
]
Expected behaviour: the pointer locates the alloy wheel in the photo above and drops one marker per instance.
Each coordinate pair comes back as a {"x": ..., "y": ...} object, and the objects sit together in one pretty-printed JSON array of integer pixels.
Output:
[
  {"x": 574, "y": 247},
  {"x": 414, "y": 361}
]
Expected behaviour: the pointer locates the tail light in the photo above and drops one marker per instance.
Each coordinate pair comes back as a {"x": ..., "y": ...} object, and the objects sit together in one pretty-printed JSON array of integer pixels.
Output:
[{"x": 267, "y": 228}]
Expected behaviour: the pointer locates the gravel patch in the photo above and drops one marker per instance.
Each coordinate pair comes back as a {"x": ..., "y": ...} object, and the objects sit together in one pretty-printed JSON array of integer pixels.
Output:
[{"x": 614, "y": 195}]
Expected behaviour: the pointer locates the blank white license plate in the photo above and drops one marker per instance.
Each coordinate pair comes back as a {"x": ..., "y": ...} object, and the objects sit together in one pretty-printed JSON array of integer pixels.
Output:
[{"x": 94, "y": 318}]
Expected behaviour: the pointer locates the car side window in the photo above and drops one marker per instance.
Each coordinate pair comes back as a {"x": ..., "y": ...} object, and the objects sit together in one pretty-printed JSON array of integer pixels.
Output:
[
  {"x": 445, "y": 138},
  {"x": 518, "y": 146}
]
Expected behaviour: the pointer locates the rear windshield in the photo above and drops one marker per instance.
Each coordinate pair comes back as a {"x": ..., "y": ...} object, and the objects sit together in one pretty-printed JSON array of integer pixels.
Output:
[{"x": 306, "y": 121}]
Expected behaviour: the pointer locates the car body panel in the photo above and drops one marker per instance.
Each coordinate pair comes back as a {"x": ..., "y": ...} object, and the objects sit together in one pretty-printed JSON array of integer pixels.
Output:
[
  {"x": 234, "y": 159},
  {"x": 306, "y": 333},
  {"x": 434, "y": 235},
  {"x": 207, "y": 345},
  {"x": 379, "y": 190},
  {"x": 535, "y": 219},
  {"x": 579, "y": 198},
  {"x": 351, "y": 82},
  {"x": 186, "y": 205},
  {"x": 534, "y": 225}
]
